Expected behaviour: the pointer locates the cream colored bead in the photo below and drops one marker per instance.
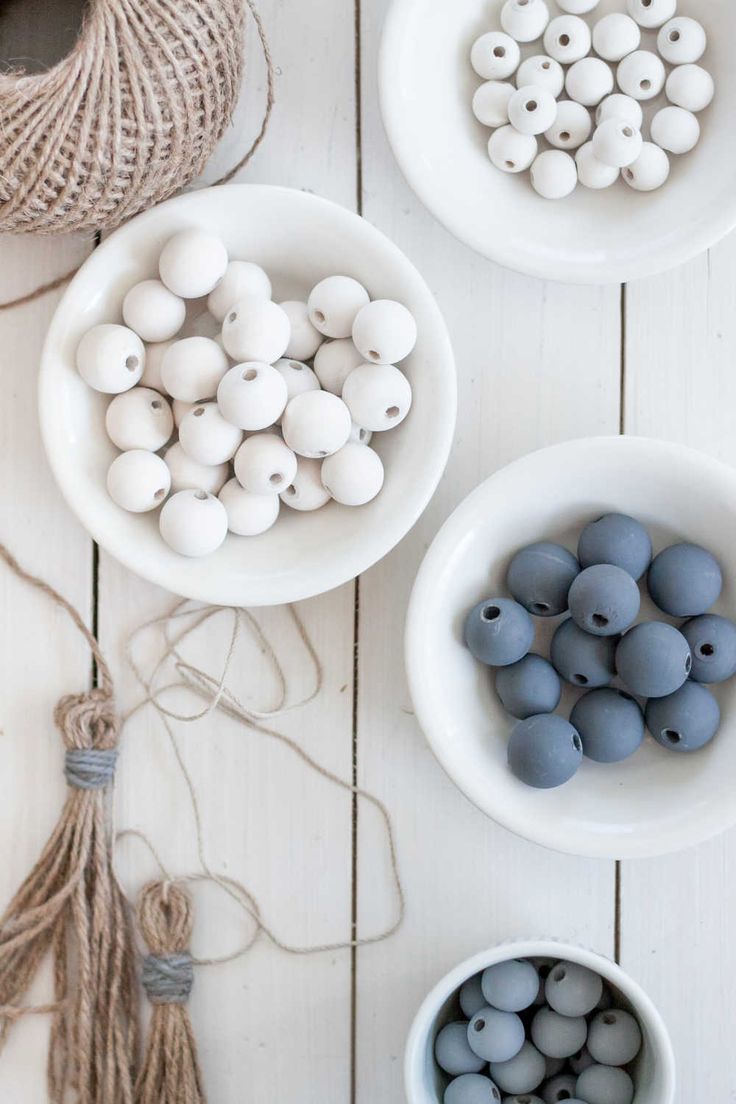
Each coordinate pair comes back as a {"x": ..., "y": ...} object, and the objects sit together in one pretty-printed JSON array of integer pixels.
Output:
[
  {"x": 676, "y": 130},
  {"x": 495, "y": 56},
  {"x": 615, "y": 36},
  {"x": 256, "y": 329},
  {"x": 192, "y": 263},
  {"x": 510, "y": 151},
  {"x": 682, "y": 41},
  {"x": 617, "y": 106},
  {"x": 567, "y": 39},
  {"x": 617, "y": 144},
  {"x": 491, "y": 103},
  {"x": 306, "y": 492},
  {"x": 542, "y": 71},
  {"x": 153, "y": 312},
  {"x": 252, "y": 395},
  {"x": 241, "y": 279},
  {"x": 572, "y": 126},
  {"x": 154, "y": 359},
  {"x": 690, "y": 86},
  {"x": 248, "y": 514},
  {"x": 353, "y": 475},
  {"x": 334, "y": 362},
  {"x": 651, "y": 13},
  {"x": 139, "y": 419},
  {"x": 384, "y": 332},
  {"x": 207, "y": 437},
  {"x": 524, "y": 20},
  {"x": 649, "y": 171},
  {"x": 378, "y": 396},
  {"x": 334, "y": 304},
  {"x": 304, "y": 339},
  {"x": 297, "y": 376},
  {"x": 111, "y": 358},
  {"x": 532, "y": 110},
  {"x": 192, "y": 368},
  {"x": 264, "y": 464},
  {"x": 641, "y": 75},
  {"x": 592, "y": 173},
  {"x": 316, "y": 424},
  {"x": 193, "y": 523},
  {"x": 138, "y": 481},
  {"x": 554, "y": 174},
  {"x": 588, "y": 81}
]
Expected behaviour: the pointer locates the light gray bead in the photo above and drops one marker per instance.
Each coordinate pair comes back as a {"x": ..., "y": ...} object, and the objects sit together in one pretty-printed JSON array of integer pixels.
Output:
[
  {"x": 510, "y": 986},
  {"x": 605, "y": 1085},
  {"x": 539, "y": 576},
  {"x": 573, "y": 990},
  {"x": 604, "y": 600},
  {"x": 684, "y": 580},
  {"x": 558, "y": 1036},
  {"x": 471, "y": 997},
  {"x": 582, "y": 659},
  {"x": 472, "y": 1088},
  {"x": 522, "y": 1073},
  {"x": 495, "y": 1036},
  {"x": 616, "y": 539},
  {"x": 452, "y": 1052},
  {"x": 558, "y": 1089},
  {"x": 581, "y": 1061},
  {"x": 614, "y": 1037}
]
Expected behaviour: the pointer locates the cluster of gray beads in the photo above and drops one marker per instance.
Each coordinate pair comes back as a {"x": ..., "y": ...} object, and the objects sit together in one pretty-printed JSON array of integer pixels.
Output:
[{"x": 538, "y": 1031}]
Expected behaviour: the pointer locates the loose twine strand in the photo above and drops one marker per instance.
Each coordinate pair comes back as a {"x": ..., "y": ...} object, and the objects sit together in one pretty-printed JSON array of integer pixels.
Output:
[{"x": 59, "y": 281}]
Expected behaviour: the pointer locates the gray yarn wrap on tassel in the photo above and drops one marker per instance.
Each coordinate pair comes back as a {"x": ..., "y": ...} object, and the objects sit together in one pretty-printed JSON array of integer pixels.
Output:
[
  {"x": 90, "y": 768},
  {"x": 168, "y": 979}
]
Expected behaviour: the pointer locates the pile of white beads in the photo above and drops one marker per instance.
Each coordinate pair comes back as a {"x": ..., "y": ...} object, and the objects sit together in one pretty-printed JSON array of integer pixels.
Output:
[
  {"x": 563, "y": 106},
  {"x": 262, "y": 403}
]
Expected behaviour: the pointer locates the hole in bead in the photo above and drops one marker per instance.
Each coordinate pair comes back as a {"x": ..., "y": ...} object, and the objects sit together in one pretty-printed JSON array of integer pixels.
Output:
[
  {"x": 576, "y": 742},
  {"x": 705, "y": 650},
  {"x": 495, "y": 1093},
  {"x": 645, "y": 84},
  {"x": 674, "y": 36},
  {"x": 362, "y": 434},
  {"x": 249, "y": 375},
  {"x": 627, "y": 132},
  {"x": 531, "y": 105},
  {"x": 688, "y": 664},
  {"x": 609, "y": 1019},
  {"x": 291, "y": 489},
  {"x": 320, "y": 316},
  {"x": 131, "y": 363},
  {"x": 509, "y": 164},
  {"x": 156, "y": 404},
  {"x": 545, "y": 65},
  {"x": 201, "y": 495},
  {"x": 563, "y": 40},
  {"x": 198, "y": 412},
  {"x": 540, "y": 607},
  {"x": 629, "y": 174},
  {"x": 392, "y": 411},
  {"x": 499, "y": 52},
  {"x": 159, "y": 494},
  {"x": 479, "y": 1025},
  {"x": 232, "y": 316},
  {"x": 374, "y": 354},
  {"x": 646, "y": 3},
  {"x": 322, "y": 452},
  {"x": 671, "y": 735},
  {"x": 564, "y": 135},
  {"x": 599, "y": 620},
  {"x": 560, "y": 974},
  {"x": 277, "y": 477},
  {"x": 296, "y": 365},
  {"x": 580, "y": 680},
  {"x": 490, "y": 613}
]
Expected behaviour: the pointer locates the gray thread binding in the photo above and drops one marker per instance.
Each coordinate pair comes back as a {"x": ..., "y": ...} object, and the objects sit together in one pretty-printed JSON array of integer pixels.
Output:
[
  {"x": 90, "y": 768},
  {"x": 168, "y": 978}
]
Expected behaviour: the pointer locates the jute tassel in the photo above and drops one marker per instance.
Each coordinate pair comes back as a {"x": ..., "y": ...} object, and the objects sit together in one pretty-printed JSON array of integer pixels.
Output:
[
  {"x": 170, "y": 1072},
  {"x": 70, "y": 906}
]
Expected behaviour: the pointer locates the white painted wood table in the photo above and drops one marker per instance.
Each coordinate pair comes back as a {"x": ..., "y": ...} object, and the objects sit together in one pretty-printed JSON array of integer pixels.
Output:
[{"x": 537, "y": 363}]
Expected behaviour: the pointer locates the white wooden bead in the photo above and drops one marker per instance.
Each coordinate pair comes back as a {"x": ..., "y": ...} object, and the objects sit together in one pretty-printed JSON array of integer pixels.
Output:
[
  {"x": 651, "y": 13},
  {"x": 180, "y": 409},
  {"x": 682, "y": 41},
  {"x": 353, "y": 475},
  {"x": 588, "y": 81},
  {"x": 491, "y": 103},
  {"x": 252, "y": 395},
  {"x": 378, "y": 396},
  {"x": 572, "y": 126},
  {"x": 297, "y": 376},
  {"x": 154, "y": 359},
  {"x": 193, "y": 523},
  {"x": 248, "y": 514},
  {"x": 138, "y": 481},
  {"x": 316, "y": 424},
  {"x": 139, "y": 419},
  {"x": 384, "y": 332},
  {"x": 554, "y": 174},
  {"x": 360, "y": 435},
  {"x": 532, "y": 110},
  {"x": 592, "y": 173},
  {"x": 615, "y": 36},
  {"x": 304, "y": 339},
  {"x": 111, "y": 358},
  {"x": 510, "y": 151},
  {"x": 334, "y": 362},
  {"x": 241, "y": 279},
  {"x": 188, "y": 474},
  {"x": 192, "y": 368},
  {"x": 305, "y": 492},
  {"x": 256, "y": 329},
  {"x": 334, "y": 303},
  {"x": 154, "y": 312},
  {"x": 542, "y": 71},
  {"x": 577, "y": 7},
  {"x": 567, "y": 39},
  {"x": 690, "y": 86},
  {"x": 524, "y": 20},
  {"x": 649, "y": 171},
  {"x": 264, "y": 464},
  {"x": 192, "y": 263},
  {"x": 617, "y": 144},
  {"x": 208, "y": 437},
  {"x": 675, "y": 130},
  {"x": 641, "y": 75},
  {"x": 618, "y": 106},
  {"x": 495, "y": 55}
]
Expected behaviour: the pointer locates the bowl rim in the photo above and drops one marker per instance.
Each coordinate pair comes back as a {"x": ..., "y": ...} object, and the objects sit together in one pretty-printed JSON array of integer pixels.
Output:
[
  {"x": 536, "y": 948},
  {"x": 276, "y": 590},
  {"x": 449, "y": 213},
  {"x": 721, "y": 818}
]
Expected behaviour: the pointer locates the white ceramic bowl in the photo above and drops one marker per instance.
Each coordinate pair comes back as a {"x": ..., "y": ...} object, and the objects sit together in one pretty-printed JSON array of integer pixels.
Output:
[
  {"x": 654, "y": 1070},
  {"x": 426, "y": 86},
  {"x": 654, "y": 802},
  {"x": 298, "y": 238}
]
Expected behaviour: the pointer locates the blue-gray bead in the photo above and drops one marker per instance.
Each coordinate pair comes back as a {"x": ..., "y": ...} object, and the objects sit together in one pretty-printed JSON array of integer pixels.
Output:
[
  {"x": 604, "y": 600},
  {"x": 686, "y": 720},
  {"x": 582, "y": 659},
  {"x": 572, "y": 989},
  {"x": 452, "y": 1052},
  {"x": 472, "y": 1088},
  {"x": 539, "y": 576},
  {"x": 510, "y": 986},
  {"x": 610, "y": 724},
  {"x": 684, "y": 580},
  {"x": 499, "y": 631},
  {"x": 653, "y": 659},
  {"x": 495, "y": 1036},
  {"x": 558, "y": 1036},
  {"x": 471, "y": 996},
  {"x": 616, "y": 539},
  {"x": 558, "y": 1089},
  {"x": 521, "y": 1074},
  {"x": 614, "y": 1037},
  {"x": 544, "y": 751},
  {"x": 712, "y": 641},
  {"x": 528, "y": 687},
  {"x": 605, "y": 1085}
]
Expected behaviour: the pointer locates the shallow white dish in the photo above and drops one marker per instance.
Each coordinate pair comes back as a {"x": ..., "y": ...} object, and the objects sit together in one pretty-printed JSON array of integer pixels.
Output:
[
  {"x": 654, "y": 1071},
  {"x": 656, "y": 801},
  {"x": 298, "y": 238},
  {"x": 426, "y": 86}
]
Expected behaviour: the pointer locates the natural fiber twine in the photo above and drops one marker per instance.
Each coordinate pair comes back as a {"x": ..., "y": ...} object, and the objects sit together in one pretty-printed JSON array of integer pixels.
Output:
[{"x": 125, "y": 120}]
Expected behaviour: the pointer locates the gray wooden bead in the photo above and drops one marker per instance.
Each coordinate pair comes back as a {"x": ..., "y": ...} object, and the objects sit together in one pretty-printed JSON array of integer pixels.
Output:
[
  {"x": 452, "y": 1052},
  {"x": 604, "y": 600},
  {"x": 544, "y": 751},
  {"x": 610, "y": 724},
  {"x": 540, "y": 575},
  {"x": 471, "y": 996},
  {"x": 653, "y": 659},
  {"x": 614, "y": 1037},
  {"x": 686, "y": 720},
  {"x": 498, "y": 631},
  {"x": 573, "y": 990},
  {"x": 558, "y": 1089},
  {"x": 582, "y": 659},
  {"x": 528, "y": 687},
  {"x": 616, "y": 539},
  {"x": 684, "y": 580},
  {"x": 495, "y": 1036},
  {"x": 510, "y": 986},
  {"x": 712, "y": 641},
  {"x": 472, "y": 1088},
  {"x": 521, "y": 1074},
  {"x": 605, "y": 1085},
  {"x": 558, "y": 1036}
]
